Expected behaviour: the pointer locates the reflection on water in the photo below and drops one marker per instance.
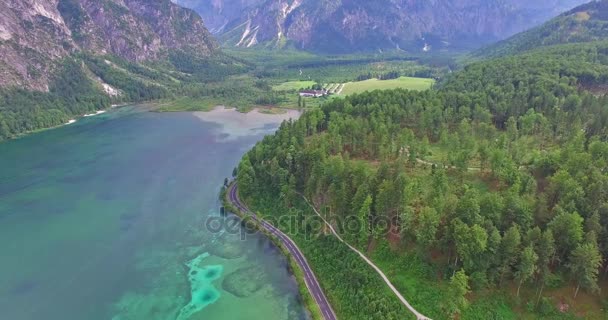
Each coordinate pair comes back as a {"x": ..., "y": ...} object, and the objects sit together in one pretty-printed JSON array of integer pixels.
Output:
[{"x": 235, "y": 124}]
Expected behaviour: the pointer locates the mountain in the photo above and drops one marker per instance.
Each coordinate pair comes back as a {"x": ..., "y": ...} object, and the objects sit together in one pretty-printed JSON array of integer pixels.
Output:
[
  {"x": 36, "y": 34},
  {"x": 586, "y": 23},
  {"x": 217, "y": 14},
  {"x": 340, "y": 26},
  {"x": 61, "y": 59}
]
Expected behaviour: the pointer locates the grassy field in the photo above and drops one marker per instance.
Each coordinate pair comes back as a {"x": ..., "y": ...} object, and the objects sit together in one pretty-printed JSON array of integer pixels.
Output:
[
  {"x": 375, "y": 84},
  {"x": 293, "y": 85}
]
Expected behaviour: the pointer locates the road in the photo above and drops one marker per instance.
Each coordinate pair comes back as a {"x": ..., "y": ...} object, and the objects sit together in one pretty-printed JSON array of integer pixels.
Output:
[
  {"x": 419, "y": 316},
  {"x": 309, "y": 277}
]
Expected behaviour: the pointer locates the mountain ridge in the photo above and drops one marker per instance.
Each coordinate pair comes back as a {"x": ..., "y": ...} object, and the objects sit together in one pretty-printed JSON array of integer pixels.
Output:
[
  {"x": 35, "y": 34},
  {"x": 356, "y": 25},
  {"x": 585, "y": 23}
]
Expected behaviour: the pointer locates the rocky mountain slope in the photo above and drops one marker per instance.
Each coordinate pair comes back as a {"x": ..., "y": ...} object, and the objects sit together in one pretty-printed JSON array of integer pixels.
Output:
[
  {"x": 347, "y": 25},
  {"x": 217, "y": 14},
  {"x": 34, "y": 34},
  {"x": 586, "y": 23}
]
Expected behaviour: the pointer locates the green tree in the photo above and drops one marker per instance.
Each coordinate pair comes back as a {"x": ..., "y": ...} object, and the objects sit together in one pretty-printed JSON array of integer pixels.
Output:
[
  {"x": 512, "y": 129},
  {"x": 384, "y": 206},
  {"x": 246, "y": 176},
  {"x": 565, "y": 190},
  {"x": 526, "y": 267},
  {"x": 584, "y": 266},
  {"x": 509, "y": 247},
  {"x": 492, "y": 206},
  {"x": 468, "y": 209},
  {"x": 364, "y": 216},
  {"x": 288, "y": 190},
  {"x": 428, "y": 223},
  {"x": 470, "y": 242},
  {"x": 456, "y": 300},
  {"x": 567, "y": 228},
  {"x": 546, "y": 252}
]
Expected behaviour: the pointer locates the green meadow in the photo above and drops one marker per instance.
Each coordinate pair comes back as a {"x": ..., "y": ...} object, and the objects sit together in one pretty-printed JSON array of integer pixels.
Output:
[{"x": 399, "y": 83}]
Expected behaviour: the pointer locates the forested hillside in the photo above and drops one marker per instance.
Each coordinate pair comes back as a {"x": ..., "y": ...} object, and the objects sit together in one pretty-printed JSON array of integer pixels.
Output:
[
  {"x": 496, "y": 183},
  {"x": 586, "y": 23}
]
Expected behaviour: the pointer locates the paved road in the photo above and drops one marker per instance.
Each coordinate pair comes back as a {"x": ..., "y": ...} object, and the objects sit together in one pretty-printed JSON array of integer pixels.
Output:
[{"x": 309, "y": 277}]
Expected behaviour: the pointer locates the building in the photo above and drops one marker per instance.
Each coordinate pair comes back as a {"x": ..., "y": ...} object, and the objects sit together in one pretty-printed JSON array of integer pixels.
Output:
[{"x": 312, "y": 93}]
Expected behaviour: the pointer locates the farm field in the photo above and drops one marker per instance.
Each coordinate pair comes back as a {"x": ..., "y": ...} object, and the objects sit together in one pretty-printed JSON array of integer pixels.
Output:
[{"x": 375, "y": 84}]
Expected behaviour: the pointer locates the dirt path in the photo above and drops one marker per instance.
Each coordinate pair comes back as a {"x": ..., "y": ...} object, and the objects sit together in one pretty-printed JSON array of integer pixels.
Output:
[{"x": 418, "y": 315}]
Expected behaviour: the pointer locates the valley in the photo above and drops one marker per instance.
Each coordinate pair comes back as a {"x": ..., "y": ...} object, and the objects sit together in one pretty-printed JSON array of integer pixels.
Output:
[{"x": 390, "y": 159}]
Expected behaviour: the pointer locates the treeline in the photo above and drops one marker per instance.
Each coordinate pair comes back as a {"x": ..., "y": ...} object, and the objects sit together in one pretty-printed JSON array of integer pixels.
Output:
[
  {"x": 517, "y": 193},
  {"x": 345, "y": 62},
  {"x": 207, "y": 69},
  {"x": 384, "y": 76}
]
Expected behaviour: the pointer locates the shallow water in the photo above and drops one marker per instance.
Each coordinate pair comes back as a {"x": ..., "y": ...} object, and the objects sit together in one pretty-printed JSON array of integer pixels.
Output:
[{"x": 106, "y": 219}]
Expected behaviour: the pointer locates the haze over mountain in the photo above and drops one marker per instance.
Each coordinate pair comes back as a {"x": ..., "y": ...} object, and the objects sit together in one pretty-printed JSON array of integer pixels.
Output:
[
  {"x": 360, "y": 25},
  {"x": 585, "y": 23},
  {"x": 34, "y": 34},
  {"x": 218, "y": 13}
]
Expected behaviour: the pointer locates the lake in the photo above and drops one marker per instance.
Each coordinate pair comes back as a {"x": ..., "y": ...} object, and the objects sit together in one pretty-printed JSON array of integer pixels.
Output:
[{"x": 108, "y": 218}]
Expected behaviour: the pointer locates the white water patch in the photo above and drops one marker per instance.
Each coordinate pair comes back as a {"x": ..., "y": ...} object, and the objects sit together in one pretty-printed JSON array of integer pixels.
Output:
[
  {"x": 202, "y": 291},
  {"x": 235, "y": 124},
  {"x": 94, "y": 114}
]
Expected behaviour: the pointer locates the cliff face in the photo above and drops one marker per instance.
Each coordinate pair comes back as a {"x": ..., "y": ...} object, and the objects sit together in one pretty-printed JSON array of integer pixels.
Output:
[
  {"x": 346, "y": 25},
  {"x": 137, "y": 30},
  {"x": 36, "y": 33},
  {"x": 217, "y": 14},
  {"x": 32, "y": 33}
]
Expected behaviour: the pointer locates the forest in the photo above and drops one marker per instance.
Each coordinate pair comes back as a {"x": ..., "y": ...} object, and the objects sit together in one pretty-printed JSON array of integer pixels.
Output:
[
  {"x": 496, "y": 181},
  {"x": 72, "y": 93}
]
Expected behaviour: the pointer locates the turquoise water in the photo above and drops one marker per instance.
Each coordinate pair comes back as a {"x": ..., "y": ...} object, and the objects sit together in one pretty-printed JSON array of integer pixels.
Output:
[{"x": 105, "y": 219}]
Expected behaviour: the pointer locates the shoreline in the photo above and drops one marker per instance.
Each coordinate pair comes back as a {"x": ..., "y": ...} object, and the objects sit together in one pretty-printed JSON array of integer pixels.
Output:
[
  {"x": 309, "y": 302},
  {"x": 95, "y": 114},
  {"x": 70, "y": 122}
]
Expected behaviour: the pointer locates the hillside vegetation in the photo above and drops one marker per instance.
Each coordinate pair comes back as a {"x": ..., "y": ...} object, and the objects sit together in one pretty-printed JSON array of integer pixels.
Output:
[
  {"x": 586, "y": 23},
  {"x": 495, "y": 183},
  {"x": 77, "y": 88}
]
